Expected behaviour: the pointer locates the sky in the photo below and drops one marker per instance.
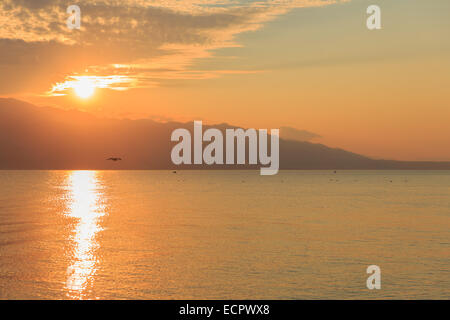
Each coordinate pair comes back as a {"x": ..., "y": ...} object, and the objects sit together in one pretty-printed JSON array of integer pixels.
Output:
[{"x": 307, "y": 64}]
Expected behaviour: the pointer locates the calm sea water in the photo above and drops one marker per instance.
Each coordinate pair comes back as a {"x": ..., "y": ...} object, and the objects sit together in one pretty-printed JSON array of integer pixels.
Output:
[{"x": 223, "y": 234}]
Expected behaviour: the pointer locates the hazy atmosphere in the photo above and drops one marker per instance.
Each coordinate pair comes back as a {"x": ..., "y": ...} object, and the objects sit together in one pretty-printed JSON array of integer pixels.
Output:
[
  {"x": 225, "y": 149},
  {"x": 305, "y": 64}
]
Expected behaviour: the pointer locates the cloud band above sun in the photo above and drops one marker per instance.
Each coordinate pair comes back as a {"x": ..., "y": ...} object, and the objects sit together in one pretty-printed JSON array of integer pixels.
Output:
[{"x": 128, "y": 44}]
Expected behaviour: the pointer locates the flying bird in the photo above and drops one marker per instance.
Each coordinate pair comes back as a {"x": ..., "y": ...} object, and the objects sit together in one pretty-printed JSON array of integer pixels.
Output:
[{"x": 114, "y": 159}]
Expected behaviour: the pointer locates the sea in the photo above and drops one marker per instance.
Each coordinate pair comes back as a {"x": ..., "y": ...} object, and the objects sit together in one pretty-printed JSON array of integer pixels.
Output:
[{"x": 229, "y": 234}]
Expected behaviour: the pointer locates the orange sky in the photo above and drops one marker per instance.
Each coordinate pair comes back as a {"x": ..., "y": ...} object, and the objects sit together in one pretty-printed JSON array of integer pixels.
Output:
[{"x": 310, "y": 65}]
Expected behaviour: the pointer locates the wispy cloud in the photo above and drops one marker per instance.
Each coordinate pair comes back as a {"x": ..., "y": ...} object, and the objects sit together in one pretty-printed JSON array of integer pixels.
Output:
[
  {"x": 143, "y": 42},
  {"x": 118, "y": 83}
]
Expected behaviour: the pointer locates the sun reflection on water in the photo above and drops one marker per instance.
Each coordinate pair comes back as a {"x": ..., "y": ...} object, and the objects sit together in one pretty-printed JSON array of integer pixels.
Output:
[{"x": 86, "y": 206}]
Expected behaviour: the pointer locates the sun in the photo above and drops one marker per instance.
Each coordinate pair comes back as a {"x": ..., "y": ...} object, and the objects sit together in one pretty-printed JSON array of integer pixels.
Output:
[{"x": 84, "y": 88}]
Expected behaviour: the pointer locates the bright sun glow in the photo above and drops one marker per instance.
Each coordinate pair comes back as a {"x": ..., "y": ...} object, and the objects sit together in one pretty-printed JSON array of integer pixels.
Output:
[{"x": 84, "y": 88}]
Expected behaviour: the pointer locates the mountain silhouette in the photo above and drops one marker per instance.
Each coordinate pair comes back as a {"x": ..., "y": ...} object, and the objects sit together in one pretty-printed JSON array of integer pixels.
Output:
[{"x": 34, "y": 137}]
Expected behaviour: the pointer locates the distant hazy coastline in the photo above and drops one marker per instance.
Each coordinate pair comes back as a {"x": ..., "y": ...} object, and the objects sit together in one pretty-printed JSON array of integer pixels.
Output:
[{"x": 45, "y": 138}]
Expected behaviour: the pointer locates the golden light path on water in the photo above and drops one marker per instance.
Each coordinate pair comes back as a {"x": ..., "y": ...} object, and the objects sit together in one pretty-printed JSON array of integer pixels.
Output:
[{"x": 86, "y": 206}]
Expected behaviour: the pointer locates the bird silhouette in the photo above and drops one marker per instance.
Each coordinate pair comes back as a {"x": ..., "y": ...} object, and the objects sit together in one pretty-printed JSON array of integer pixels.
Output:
[{"x": 114, "y": 159}]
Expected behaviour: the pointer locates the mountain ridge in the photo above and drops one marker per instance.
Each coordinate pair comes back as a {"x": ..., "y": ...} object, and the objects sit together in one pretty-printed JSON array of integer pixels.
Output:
[{"x": 47, "y": 138}]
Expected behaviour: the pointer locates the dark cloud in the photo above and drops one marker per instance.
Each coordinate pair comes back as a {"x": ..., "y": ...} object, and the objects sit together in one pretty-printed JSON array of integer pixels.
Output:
[{"x": 289, "y": 133}]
